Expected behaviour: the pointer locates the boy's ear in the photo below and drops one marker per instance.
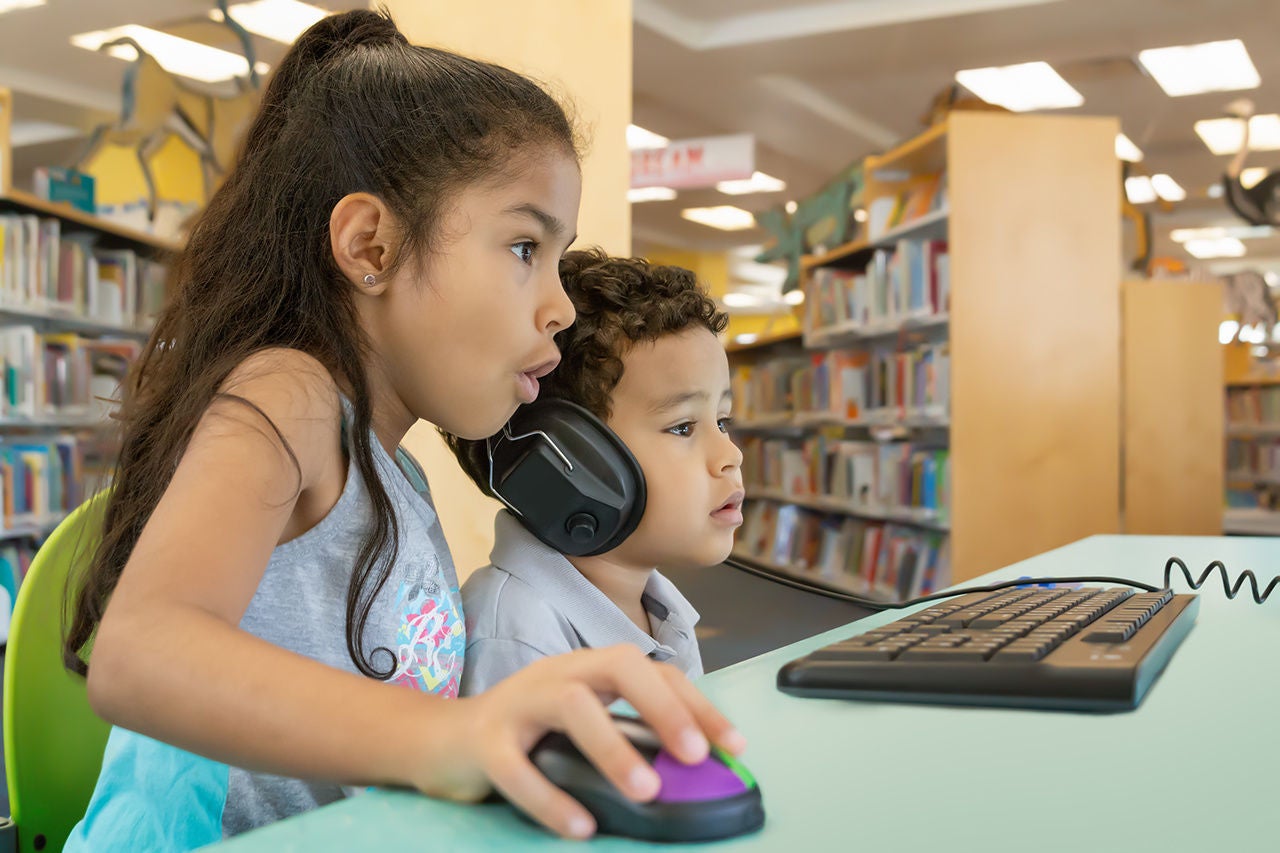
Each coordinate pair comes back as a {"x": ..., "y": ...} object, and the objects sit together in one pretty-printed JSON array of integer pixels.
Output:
[{"x": 362, "y": 231}]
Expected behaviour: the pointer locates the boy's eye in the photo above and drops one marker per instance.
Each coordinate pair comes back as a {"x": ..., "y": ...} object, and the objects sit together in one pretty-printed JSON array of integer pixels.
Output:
[
  {"x": 724, "y": 423},
  {"x": 683, "y": 430},
  {"x": 524, "y": 250}
]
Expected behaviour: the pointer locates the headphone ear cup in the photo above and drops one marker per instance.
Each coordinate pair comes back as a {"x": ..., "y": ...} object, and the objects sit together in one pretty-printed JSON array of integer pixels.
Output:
[{"x": 570, "y": 480}]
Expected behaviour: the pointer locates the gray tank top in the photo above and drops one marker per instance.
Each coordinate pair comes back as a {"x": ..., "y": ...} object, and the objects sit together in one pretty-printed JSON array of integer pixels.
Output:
[{"x": 300, "y": 605}]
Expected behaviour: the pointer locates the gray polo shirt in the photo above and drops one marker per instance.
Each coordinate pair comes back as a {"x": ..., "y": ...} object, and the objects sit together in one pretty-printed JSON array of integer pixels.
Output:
[{"x": 530, "y": 602}]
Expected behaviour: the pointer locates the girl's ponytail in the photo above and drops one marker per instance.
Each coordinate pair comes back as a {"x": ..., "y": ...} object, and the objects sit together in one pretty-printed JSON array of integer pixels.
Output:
[{"x": 329, "y": 38}]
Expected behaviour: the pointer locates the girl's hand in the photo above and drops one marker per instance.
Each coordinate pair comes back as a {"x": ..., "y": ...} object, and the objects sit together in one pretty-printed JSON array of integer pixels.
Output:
[{"x": 569, "y": 693}]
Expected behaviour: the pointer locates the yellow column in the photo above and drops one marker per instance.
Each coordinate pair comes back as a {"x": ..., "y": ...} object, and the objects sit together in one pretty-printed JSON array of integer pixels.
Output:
[
  {"x": 581, "y": 50},
  {"x": 6, "y": 148},
  {"x": 712, "y": 270}
]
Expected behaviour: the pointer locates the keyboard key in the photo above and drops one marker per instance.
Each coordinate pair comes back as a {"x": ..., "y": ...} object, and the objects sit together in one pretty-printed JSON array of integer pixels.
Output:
[
  {"x": 837, "y": 650},
  {"x": 1012, "y": 631},
  {"x": 964, "y": 617},
  {"x": 865, "y": 653},
  {"x": 1064, "y": 626},
  {"x": 1117, "y": 633},
  {"x": 920, "y": 654},
  {"x": 1019, "y": 654},
  {"x": 877, "y": 634},
  {"x": 995, "y": 620},
  {"x": 945, "y": 641}
]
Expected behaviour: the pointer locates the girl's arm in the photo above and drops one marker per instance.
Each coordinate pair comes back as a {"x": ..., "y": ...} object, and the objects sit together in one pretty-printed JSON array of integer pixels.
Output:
[{"x": 170, "y": 662}]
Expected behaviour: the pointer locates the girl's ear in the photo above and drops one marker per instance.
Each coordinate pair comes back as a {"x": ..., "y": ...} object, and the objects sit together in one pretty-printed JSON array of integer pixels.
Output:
[{"x": 362, "y": 231}]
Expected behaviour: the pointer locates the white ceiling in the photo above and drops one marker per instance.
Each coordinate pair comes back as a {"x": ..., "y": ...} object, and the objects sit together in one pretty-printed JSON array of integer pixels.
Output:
[
  {"x": 819, "y": 99},
  {"x": 819, "y": 84}
]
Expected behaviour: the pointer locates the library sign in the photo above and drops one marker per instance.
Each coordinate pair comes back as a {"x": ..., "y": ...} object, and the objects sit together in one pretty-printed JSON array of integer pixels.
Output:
[{"x": 694, "y": 163}]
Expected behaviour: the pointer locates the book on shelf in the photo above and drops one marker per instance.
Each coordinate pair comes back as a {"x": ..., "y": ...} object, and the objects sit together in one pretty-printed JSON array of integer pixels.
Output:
[
  {"x": 867, "y": 477},
  {"x": 839, "y": 386},
  {"x": 917, "y": 197},
  {"x": 1255, "y": 405},
  {"x": 1262, "y": 496},
  {"x": 910, "y": 281},
  {"x": 912, "y": 381},
  {"x": 766, "y": 388},
  {"x": 879, "y": 212},
  {"x": 15, "y": 559},
  {"x": 1252, "y": 463},
  {"x": 45, "y": 477},
  {"x": 56, "y": 184},
  {"x": 849, "y": 373},
  {"x": 869, "y": 557},
  {"x": 922, "y": 196},
  {"x": 1253, "y": 458},
  {"x": 60, "y": 374},
  {"x": 42, "y": 479},
  {"x": 45, "y": 268}
]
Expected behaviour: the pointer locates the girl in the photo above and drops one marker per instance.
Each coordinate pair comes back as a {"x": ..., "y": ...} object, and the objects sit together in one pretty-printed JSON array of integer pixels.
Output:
[{"x": 271, "y": 574}]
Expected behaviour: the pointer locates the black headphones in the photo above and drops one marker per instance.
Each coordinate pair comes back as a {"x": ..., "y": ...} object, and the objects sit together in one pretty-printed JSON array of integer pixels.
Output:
[{"x": 567, "y": 477}]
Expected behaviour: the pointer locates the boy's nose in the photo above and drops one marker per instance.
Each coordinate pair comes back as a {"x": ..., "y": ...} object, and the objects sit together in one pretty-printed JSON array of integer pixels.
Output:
[{"x": 731, "y": 458}]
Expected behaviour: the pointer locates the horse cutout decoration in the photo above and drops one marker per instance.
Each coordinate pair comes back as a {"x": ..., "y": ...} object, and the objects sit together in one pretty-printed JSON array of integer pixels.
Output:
[{"x": 156, "y": 105}]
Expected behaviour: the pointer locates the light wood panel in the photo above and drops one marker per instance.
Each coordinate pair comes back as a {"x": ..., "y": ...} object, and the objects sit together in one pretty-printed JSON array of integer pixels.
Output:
[
  {"x": 1035, "y": 264},
  {"x": 6, "y": 139},
  {"x": 1173, "y": 402}
]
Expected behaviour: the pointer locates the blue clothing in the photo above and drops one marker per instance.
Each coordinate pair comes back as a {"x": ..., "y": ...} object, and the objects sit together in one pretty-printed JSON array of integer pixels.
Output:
[{"x": 153, "y": 796}]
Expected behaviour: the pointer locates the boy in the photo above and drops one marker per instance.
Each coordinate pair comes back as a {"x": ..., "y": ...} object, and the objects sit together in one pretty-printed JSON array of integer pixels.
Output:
[{"x": 643, "y": 357}]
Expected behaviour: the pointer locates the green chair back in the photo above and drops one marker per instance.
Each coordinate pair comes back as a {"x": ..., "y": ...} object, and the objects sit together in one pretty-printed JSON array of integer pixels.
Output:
[{"x": 53, "y": 742}]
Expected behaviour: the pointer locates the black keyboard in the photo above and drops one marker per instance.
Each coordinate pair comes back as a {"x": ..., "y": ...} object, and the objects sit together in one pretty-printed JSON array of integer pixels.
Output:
[{"x": 1075, "y": 649}]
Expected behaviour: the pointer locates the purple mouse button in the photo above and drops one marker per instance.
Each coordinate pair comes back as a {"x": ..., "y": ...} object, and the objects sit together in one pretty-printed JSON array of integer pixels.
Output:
[{"x": 682, "y": 783}]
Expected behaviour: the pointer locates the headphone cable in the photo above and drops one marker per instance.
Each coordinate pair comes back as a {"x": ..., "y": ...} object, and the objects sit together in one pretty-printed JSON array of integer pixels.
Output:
[{"x": 1229, "y": 589}]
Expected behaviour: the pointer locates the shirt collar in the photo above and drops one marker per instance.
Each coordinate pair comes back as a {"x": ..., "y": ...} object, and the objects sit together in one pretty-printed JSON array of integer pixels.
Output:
[{"x": 596, "y": 619}]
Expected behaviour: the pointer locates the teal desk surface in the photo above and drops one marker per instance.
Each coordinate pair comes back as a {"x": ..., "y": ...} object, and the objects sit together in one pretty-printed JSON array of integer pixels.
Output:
[{"x": 1195, "y": 768}]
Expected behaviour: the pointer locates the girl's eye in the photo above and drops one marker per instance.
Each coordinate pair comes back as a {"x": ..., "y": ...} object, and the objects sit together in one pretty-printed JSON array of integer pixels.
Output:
[
  {"x": 683, "y": 430},
  {"x": 723, "y": 423},
  {"x": 524, "y": 250}
]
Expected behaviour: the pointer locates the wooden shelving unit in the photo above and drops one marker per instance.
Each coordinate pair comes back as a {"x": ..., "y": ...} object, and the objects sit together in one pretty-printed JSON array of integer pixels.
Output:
[
  {"x": 66, "y": 441},
  {"x": 1247, "y": 449},
  {"x": 1033, "y": 232},
  {"x": 14, "y": 199}
]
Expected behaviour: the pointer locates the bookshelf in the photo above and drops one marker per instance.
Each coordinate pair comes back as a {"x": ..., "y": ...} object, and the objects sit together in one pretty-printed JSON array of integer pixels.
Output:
[
  {"x": 1252, "y": 494},
  {"x": 78, "y": 296},
  {"x": 955, "y": 395}
]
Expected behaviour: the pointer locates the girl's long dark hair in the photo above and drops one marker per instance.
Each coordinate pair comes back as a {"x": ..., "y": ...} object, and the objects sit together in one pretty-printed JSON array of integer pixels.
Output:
[{"x": 353, "y": 107}]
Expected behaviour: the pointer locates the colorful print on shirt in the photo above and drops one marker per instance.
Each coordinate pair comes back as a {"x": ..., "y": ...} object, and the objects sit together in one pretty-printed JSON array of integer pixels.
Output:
[{"x": 432, "y": 636}]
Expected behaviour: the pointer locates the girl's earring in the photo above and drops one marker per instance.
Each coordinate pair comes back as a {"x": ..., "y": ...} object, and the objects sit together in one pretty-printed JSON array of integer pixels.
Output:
[{"x": 370, "y": 280}]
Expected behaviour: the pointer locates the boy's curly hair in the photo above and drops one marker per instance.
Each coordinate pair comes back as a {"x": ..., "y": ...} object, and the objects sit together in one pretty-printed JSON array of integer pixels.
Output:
[{"x": 620, "y": 302}]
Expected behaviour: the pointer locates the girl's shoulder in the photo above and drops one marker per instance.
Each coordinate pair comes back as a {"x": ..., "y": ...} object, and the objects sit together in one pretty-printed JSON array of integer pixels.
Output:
[
  {"x": 286, "y": 367},
  {"x": 296, "y": 396},
  {"x": 293, "y": 383}
]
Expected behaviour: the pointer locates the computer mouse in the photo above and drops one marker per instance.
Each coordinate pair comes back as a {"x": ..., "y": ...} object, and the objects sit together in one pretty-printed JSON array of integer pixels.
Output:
[{"x": 716, "y": 799}]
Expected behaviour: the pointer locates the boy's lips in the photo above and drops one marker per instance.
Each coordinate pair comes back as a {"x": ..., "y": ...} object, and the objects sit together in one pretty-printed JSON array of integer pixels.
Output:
[{"x": 730, "y": 512}]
